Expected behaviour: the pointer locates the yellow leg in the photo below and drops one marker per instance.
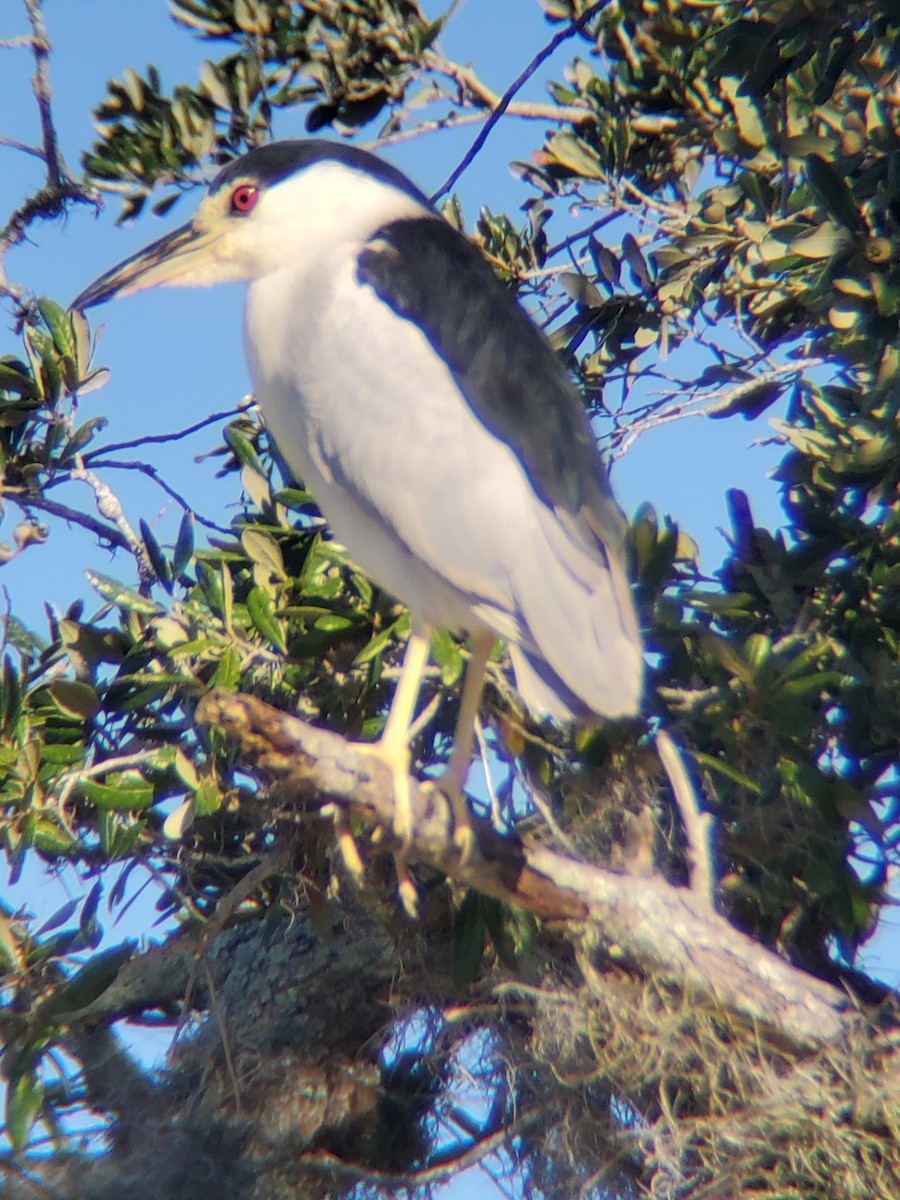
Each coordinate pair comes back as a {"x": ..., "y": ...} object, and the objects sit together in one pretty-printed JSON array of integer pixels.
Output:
[
  {"x": 394, "y": 739},
  {"x": 451, "y": 782},
  {"x": 392, "y": 748}
]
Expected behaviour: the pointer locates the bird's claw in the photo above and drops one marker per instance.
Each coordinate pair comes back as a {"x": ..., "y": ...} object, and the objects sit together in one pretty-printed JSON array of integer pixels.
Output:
[
  {"x": 397, "y": 761},
  {"x": 463, "y": 830}
]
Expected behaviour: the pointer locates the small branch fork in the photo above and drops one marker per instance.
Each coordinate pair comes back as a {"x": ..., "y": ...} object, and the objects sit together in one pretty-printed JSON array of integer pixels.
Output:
[
  {"x": 60, "y": 186},
  {"x": 654, "y": 926},
  {"x": 709, "y": 405}
]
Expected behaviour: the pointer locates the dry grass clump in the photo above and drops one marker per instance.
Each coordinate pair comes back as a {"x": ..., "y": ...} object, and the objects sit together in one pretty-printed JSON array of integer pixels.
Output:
[{"x": 658, "y": 1094}]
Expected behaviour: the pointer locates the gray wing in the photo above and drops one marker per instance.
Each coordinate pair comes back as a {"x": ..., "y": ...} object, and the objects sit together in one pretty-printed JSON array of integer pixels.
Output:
[
  {"x": 471, "y": 488},
  {"x": 571, "y": 618},
  {"x": 510, "y": 376}
]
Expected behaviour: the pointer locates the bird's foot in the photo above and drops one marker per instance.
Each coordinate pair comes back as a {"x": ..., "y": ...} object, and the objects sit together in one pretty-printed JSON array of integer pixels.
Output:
[
  {"x": 396, "y": 758},
  {"x": 346, "y": 843},
  {"x": 450, "y": 785}
]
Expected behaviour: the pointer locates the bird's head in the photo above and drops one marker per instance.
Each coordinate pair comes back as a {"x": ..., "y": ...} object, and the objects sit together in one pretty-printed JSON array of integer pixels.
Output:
[{"x": 265, "y": 210}]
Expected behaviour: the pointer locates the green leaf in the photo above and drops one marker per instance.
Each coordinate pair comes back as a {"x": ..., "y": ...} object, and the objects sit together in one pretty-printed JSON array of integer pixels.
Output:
[
  {"x": 123, "y": 597},
  {"x": 294, "y": 498},
  {"x": 242, "y": 449},
  {"x": 154, "y": 553},
  {"x": 80, "y": 438},
  {"x": 447, "y": 657},
  {"x": 824, "y": 241},
  {"x": 331, "y": 622},
  {"x": 227, "y": 593},
  {"x": 512, "y": 930},
  {"x": 631, "y": 252},
  {"x": 468, "y": 940},
  {"x": 51, "y": 839},
  {"x": 721, "y": 767},
  {"x": 14, "y": 380},
  {"x": 75, "y": 699},
  {"x": 376, "y": 645},
  {"x": 184, "y": 546},
  {"x": 262, "y": 613},
  {"x": 228, "y": 672},
  {"x": 92, "y": 980},
  {"x": 834, "y": 193},
  {"x": 580, "y": 289},
  {"x": 213, "y": 86},
  {"x": 207, "y": 798},
  {"x": 127, "y": 791},
  {"x": 262, "y": 548},
  {"x": 57, "y": 321},
  {"x": 746, "y": 114},
  {"x": 575, "y": 154},
  {"x": 134, "y": 86},
  {"x": 59, "y": 917},
  {"x": 24, "y": 1100}
]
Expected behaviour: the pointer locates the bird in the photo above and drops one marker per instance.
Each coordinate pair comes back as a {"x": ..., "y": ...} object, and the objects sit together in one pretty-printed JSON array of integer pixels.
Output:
[{"x": 442, "y": 437}]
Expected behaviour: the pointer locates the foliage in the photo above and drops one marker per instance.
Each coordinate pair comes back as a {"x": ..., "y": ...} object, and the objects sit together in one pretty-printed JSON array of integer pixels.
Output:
[{"x": 734, "y": 173}]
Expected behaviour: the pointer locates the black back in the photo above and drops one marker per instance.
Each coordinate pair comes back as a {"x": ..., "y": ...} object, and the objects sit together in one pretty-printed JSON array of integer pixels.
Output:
[{"x": 505, "y": 367}]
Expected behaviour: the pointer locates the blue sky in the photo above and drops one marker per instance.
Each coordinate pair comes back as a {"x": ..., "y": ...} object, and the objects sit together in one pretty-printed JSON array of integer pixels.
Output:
[{"x": 177, "y": 355}]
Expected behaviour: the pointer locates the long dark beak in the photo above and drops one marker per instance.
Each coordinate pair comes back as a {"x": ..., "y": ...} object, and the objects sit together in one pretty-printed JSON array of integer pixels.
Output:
[{"x": 181, "y": 258}]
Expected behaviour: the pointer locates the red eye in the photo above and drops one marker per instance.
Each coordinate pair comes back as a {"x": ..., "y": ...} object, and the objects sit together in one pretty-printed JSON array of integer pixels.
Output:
[{"x": 244, "y": 198}]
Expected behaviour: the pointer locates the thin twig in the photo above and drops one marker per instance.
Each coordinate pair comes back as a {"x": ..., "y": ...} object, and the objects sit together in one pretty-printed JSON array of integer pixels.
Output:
[
  {"x": 697, "y": 823},
  {"x": 60, "y": 186},
  {"x": 157, "y": 438},
  {"x": 12, "y": 144},
  {"x": 569, "y": 31},
  {"x": 452, "y": 121},
  {"x": 496, "y": 815},
  {"x": 446, "y": 1165},
  {"x": 534, "y": 795},
  {"x": 706, "y": 406},
  {"x": 476, "y": 91},
  {"x": 151, "y": 472},
  {"x": 40, "y": 82}
]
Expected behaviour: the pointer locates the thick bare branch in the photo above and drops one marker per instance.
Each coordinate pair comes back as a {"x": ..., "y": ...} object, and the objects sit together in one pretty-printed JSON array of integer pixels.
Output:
[{"x": 653, "y": 926}]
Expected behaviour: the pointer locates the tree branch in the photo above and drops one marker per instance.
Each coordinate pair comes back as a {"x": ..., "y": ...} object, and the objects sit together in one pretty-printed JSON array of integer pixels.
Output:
[
  {"x": 506, "y": 99},
  {"x": 649, "y": 924},
  {"x": 475, "y": 91},
  {"x": 105, "y": 533},
  {"x": 153, "y": 439},
  {"x": 444, "y": 1166},
  {"x": 697, "y": 823},
  {"x": 40, "y": 83},
  {"x": 112, "y": 464},
  {"x": 60, "y": 185},
  {"x": 109, "y": 506}
]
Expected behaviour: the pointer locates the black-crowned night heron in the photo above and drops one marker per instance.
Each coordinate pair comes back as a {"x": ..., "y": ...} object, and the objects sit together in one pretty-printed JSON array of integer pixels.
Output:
[{"x": 440, "y": 434}]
